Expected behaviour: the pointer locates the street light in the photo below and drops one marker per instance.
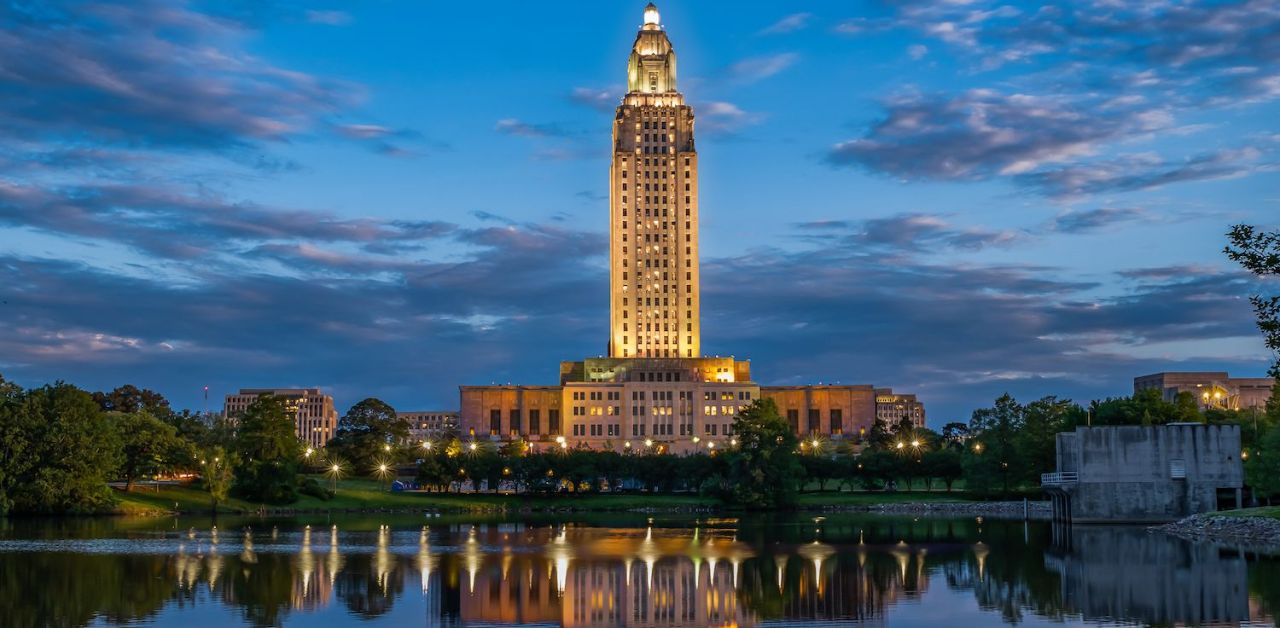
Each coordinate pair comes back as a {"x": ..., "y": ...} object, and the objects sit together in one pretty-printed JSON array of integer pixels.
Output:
[
  {"x": 900, "y": 445},
  {"x": 648, "y": 442},
  {"x": 426, "y": 444}
]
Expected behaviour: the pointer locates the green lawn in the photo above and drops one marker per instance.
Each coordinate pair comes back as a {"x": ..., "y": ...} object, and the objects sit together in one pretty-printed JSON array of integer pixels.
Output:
[{"x": 369, "y": 495}]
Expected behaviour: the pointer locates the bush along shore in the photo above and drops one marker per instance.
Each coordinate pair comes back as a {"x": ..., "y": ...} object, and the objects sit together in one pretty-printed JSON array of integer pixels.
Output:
[{"x": 1252, "y": 532}]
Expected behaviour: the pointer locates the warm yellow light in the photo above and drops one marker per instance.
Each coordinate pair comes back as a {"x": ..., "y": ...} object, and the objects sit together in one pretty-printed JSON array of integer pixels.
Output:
[
  {"x": 651, "y": 15},
  {"x": 627, "y": 445},
  {"x": 472, "y": 446},
  {"x": 386, "y": 448},
  {"x": 900, "y": 445},
  {"x": 335, "y": 468},
  {"x": 648, "y": 442},
  {"x": 560, "y": 439},
  {"x": 815, "y": 442},
  {"x": 309, "y": 452},
  {"x": 915, "y": 443},
  {"x": 733, "y": 441},
  {"x": 382, "y": 468},
  {"x": 711, "y": 445},
  {"x": 696, "y": 440},
  {"x": 426, "y": 444}
]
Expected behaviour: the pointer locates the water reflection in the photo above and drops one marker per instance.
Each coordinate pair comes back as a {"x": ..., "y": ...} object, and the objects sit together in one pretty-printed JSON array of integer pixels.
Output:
[{"x": 626, "y": 572}]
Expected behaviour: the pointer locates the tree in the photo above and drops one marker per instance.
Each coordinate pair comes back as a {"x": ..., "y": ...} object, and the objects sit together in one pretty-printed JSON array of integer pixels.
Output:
[
  {"x": 880, "y": 436},
  {"x": 70, "y": 451},
  {"x": 945, "y": 465},
  {"x": 1037, "y": 440},
  {"x": 15, "y": 453},
  {"x": 762, "y": 470},
  {"x": 217, "y": 473},
  {"x": 130, "y": 399},
  {"x": 954, "y": 435},
  {"x": 1259, "y": 253},
  {"x": 148, "y": 445},
  {"x": 1262, "y": 469},
  {"x": 996, "y": 430},
  {"x": 367, "y": 434},
  {"x": 267, "y": 452},
  {"x": 820, "y": 468}
]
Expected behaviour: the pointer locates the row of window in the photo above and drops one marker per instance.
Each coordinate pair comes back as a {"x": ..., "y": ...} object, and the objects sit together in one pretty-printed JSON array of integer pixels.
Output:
[{"x": 836, "y": 425}]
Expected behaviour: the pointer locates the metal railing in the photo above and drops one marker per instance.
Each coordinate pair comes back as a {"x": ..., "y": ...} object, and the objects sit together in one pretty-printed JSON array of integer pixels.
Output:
[{"x": 1059, "y": 479}]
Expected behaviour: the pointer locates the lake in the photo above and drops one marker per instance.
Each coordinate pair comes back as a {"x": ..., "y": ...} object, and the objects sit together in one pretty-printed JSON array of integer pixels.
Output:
[{"x": 618, "y": 570}]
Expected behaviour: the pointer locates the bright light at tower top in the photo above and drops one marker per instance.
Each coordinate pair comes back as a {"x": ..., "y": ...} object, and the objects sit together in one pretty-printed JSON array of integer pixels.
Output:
[{"x": 651, "y": 15}]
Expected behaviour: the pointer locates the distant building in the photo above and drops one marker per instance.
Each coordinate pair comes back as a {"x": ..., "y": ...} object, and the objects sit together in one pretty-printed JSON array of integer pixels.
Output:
[
  {"x": 1145, "y": 473},
  {"x": 892, "y": 407},
  {"x": 1212, "y": 389},
  {"x": 428, "y": 425},
  {"x": 315, "y": 418},
  {"x": 655, "y": 390}
]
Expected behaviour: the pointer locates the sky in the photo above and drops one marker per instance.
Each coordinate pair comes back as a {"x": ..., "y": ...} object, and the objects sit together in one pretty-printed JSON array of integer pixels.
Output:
[{"x": 390, "y": 199}]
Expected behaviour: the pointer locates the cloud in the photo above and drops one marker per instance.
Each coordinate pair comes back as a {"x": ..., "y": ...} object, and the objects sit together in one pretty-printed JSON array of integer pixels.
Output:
[
  {"x": 1094, "y": 219},
  {"x": 788, "y": 24},
  {"x": 171, "y": 223},
  {"x": 605, "y": 99},
  {"x": 917, "y": 51},
  {"x": 912, "y": 232},
  {"x": 1141, "y": 172},
  {"x": 756, "y": 69},
  {"x": 982, "y": 134},
  {"x": 512, "y": 126},
  {"x": 724, "y": 118},
  {"x": 521, "y": 296},
  {"x": 178, "y": 80}
]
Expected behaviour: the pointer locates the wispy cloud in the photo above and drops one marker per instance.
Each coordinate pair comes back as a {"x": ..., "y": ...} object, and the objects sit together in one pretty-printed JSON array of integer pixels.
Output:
[
  {"x": 789, "y": 24},
  {"x": 755, "y": 69}
]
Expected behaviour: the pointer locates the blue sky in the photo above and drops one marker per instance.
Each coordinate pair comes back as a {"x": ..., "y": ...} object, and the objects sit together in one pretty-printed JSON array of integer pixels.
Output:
[{"x": 391, "y": 199}]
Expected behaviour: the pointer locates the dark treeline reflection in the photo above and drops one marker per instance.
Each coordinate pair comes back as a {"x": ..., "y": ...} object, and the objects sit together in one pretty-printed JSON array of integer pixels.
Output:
[{"x": 691, "y": 573}]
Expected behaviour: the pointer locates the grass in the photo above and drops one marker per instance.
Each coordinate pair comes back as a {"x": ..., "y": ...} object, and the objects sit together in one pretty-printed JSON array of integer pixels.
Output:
[
  {"x": 357, "y": 494},
  {"x": 1270, "y": 512}
]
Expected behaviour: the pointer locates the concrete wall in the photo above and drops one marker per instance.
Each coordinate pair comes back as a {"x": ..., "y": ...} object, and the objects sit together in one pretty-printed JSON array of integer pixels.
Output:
[{"x": 1126, "y": 473}]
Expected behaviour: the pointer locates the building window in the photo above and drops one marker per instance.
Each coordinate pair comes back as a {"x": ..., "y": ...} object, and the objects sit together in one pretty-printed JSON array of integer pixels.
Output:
[
  {"x": 495, "y": 422},
  {"x": 793, "y": 417},
  {"x": 535, "y": 421},
  {"x": 837, "y": 422},
  {"x": 515, "y": 422},
  {"x": 815, "y": 420},
  {"x": 553, "y": 421}
]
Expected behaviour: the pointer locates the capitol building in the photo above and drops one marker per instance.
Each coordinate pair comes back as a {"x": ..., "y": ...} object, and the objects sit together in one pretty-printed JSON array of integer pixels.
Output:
[{"x": 654, "y": 390}]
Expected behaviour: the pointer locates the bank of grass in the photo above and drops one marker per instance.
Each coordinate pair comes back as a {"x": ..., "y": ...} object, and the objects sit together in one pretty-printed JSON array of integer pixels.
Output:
[
  {"x": 1267, "y": 512},
  {"x": 365, "y": 495}
]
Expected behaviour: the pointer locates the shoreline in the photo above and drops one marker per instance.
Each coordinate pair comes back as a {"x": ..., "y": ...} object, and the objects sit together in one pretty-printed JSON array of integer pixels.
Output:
[
  {"x": 1037, "y": 511},
  {"x": 1249, "y": 533}
]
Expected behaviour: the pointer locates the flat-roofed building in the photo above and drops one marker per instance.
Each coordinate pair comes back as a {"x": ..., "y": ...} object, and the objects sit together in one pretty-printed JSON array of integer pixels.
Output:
[
  {"x": 827, "y": 410},
  {"x": 430, "y": 425},
  {"x": 1212, "y": 389},
  {"x": 315, "y": 418},
  {"x": 892, "y": 407}
]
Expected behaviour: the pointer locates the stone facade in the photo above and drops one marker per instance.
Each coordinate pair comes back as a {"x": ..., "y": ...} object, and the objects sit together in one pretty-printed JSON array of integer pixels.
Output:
[
  {"x": 1145, "y": 473},
  {"x": 315, "y": 418},
  {"x": 1212, "y": 389}
]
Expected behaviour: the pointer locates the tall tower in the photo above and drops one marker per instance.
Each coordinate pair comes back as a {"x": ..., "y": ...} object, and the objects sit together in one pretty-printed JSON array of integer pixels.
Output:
[{"x": 653, "y": 209}]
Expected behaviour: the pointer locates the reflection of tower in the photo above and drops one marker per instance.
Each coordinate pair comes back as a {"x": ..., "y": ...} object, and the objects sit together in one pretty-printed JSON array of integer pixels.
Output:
[{"x": 312, "y": 580}]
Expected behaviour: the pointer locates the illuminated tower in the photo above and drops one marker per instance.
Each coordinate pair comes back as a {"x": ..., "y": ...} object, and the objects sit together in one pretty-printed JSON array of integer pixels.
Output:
[{"x": 653, "y": 208}]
